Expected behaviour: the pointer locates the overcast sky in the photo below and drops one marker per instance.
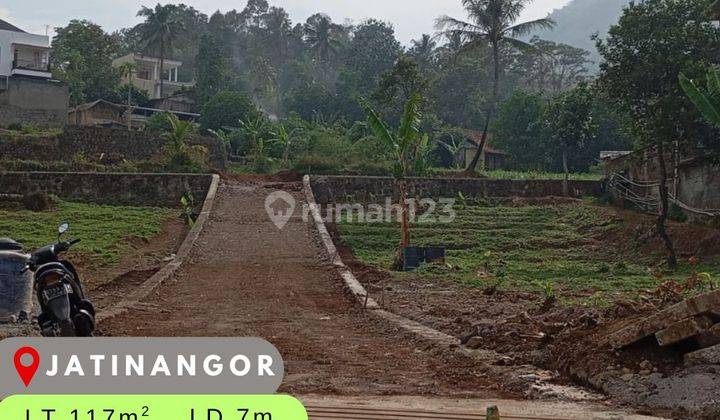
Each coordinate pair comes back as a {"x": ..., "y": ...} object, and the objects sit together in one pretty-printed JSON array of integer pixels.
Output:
[{"x": 410, "y": 17}]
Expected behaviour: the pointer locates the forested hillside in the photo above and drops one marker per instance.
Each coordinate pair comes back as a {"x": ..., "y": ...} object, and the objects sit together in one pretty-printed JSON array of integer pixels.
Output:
[
  {"x": 300, "y": 94},
  {"x": 580, "y": 19}
]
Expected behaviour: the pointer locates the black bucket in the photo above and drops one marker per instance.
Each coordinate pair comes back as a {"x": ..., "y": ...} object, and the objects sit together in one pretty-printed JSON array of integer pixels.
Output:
[
  {"x": 413, "y": 256},
  {"x": 435, "y": 254}
]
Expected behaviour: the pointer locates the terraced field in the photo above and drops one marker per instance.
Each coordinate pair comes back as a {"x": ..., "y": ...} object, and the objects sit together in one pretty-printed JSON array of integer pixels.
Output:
[{"x": 573, "y": 249}]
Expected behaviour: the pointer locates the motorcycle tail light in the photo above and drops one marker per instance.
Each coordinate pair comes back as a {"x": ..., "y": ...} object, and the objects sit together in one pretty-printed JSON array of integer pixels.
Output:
[{"x": 51, "y": 279}]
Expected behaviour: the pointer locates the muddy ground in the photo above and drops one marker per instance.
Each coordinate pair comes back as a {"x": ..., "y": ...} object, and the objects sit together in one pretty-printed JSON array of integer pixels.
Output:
[
  {"x": 247, "y": 278},
  {"x": 568, "y": 340}
]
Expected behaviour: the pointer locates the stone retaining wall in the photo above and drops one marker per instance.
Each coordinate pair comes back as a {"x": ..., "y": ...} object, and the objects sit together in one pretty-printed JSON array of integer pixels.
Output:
[
  {"x": 333, "y": 189},
  {"x": 109, "y": 188},
  {"x": 106, "y": 145},
  {"x": 27, "y": 100}
]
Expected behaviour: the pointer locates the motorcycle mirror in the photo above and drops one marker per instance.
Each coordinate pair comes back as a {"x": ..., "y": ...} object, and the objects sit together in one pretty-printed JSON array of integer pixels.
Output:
[{"x": 63, "y": 228}]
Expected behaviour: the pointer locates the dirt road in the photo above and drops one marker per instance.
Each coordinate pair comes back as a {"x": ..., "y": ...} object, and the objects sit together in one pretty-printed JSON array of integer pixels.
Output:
[
  {"x": 245, "y": 277},
  {"x": 248, "y": 278}
]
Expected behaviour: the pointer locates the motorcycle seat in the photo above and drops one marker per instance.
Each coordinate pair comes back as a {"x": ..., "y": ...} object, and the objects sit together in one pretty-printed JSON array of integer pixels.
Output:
[{"x": 7, "y": 244}]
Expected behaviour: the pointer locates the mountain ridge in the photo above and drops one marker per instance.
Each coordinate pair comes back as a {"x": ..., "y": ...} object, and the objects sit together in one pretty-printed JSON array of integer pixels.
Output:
[{"x": 578, "y": 20}]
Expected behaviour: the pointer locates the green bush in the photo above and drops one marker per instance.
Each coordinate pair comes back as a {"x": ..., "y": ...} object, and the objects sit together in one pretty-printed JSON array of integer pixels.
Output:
[
  {"x": 158, "y": 123},
  {"x": 226, "y": 109},
  {"x": 318, "y": 165},
  {"x": 22, "y": 165}
]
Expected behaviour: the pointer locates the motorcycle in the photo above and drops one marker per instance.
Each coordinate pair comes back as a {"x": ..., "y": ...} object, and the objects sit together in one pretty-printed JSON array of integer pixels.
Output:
[{"x": 64, "y": 310}]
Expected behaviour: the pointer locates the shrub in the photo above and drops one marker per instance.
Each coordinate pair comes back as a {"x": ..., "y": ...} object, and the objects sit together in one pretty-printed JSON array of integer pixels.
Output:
[
  {"x": 158, "y": 123},
  {"x": 226, "y": 109},
  {"x": 37, "y": 201},
  {"x": 179, "y": 155},
  {"x": 319, "y": 165},
  {"x": 22, "y": 165}
]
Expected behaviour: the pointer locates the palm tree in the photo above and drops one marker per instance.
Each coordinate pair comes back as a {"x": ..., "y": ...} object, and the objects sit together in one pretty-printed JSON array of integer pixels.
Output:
[
  {"x": 162, "y": 26},
  {"x": 409, "y": 148},
  {"x": 321, "y": 35},
  {"x": 706, "y": 101},
  {"x": 493, "y": 22},
  {"x": 424, "y": 50}
]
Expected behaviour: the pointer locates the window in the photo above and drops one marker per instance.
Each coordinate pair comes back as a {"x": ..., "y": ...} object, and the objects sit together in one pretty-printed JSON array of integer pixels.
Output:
[{"x": 143, "y": 73}]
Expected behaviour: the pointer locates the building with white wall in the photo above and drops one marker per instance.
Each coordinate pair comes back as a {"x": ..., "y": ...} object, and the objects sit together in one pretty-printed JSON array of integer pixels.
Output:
[
  {"x": 22, "y": 53},
  {"x": 146, "y": 75},
  {"x": 28, "y": 94}
]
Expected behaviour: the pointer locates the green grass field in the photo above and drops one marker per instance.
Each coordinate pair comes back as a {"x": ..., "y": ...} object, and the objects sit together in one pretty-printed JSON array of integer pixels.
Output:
[
  {"x": 523, "y": 247},
  {"x": 104, "y": 230}
]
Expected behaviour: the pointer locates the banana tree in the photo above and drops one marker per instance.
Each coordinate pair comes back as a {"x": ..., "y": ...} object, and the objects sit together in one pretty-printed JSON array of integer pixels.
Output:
[
  {"x": 707, "y": 101},
  {"x": 409, "y": 148},
  {"x": 285, "y": 139}
]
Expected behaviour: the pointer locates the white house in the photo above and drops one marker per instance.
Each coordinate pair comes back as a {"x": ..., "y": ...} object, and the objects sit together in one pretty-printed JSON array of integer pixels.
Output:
[
  {"x": 28, "y": 94},
  {"x": 23, "y": 54},
  {"x": 146, "y": 75}
]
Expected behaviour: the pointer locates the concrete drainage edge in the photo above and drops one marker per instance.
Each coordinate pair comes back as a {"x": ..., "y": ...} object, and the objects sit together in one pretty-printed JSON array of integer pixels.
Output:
[
  {"x": 431, "y": 335},
  {"x": 361, "y": 295},
  {"x": 165, "y": 273}
]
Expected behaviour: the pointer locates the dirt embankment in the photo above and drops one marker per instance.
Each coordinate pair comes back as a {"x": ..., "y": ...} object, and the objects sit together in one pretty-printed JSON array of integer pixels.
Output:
[{"x": 566, "y": 339}]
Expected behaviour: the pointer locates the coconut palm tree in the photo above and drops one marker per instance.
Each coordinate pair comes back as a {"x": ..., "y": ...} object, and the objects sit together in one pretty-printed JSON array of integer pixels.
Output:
[
  {"x": 162, "y": 26},
  {"x": 423, "y": 50},
  {"x": 409, "y": 148},
  {"x": 493, "y": 23},
  {"x": 321, "y": 35}
]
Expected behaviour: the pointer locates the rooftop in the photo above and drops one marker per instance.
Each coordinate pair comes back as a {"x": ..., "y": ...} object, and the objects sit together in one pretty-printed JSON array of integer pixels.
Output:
[
  {"x": 475, "y": 137},
  {"x": 5, "y": 26}
]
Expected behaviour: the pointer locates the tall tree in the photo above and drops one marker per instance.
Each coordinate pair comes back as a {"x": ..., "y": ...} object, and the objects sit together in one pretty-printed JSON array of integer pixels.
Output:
[
  {"x": 397, "y": 85},
  {"x": 571, "y": 124},
  {"x": 278, "y": 29},
  {"x": 211, "y": 69},
  {"x": 494, "y": 23},
  {"x": 82, "y": 56},
  {"x": 322, "y": 37},
  {"x": 644, "y": 53},
  {"x": 162, "y": 27},
  {"x": 374, "y": 50},
  {"x": 519, "y": 131},
  {"x": 552, "y": 67}
]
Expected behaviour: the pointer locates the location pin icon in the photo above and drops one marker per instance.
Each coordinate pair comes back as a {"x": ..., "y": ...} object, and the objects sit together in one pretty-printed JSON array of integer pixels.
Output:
[{"x": 27, "y": 372}]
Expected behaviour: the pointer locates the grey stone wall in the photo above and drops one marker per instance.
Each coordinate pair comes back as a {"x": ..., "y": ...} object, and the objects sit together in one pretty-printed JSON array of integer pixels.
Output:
[
  {"x": 108, "y": 145},
  {"x": 34, "y": 101},
  {"x": 693, "y": 177},
  {"x": 109, "y": 188},
  {"x": 332, "y": 189}
]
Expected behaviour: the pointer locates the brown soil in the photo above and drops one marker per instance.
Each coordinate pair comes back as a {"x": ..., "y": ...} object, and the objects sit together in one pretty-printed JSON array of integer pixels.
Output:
[
  {"x": 106, "y": 285},
  {"x": 247, "y": 278},
  {"x": 524, "y": 327}
]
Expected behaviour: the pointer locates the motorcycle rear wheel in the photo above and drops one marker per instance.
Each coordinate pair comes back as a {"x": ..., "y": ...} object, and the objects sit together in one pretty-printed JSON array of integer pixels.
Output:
[{"x": 67, "y": 328}]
